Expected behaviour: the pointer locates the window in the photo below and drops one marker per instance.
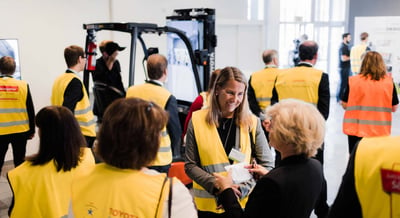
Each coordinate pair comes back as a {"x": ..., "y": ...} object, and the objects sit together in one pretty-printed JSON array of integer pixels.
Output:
[{"x": 320, "y": 20}]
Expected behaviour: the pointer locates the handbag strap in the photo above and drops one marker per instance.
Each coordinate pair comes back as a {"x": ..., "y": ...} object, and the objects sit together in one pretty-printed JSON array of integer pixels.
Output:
[{"x": 169, "y": 196}]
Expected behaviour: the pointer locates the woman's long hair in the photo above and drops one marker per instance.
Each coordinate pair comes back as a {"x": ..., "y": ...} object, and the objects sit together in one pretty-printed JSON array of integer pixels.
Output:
[
  {"x": 60, "y": 138},
  {"x": 242, "y": 112}
]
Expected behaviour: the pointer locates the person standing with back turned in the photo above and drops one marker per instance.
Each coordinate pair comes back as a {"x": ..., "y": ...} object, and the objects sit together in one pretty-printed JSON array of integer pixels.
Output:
[
  {"x": 17, "y": 114},
  {"x": 357, "y": 51},
  {"x": 311, "y": 85},
  {"x": 369, "y": 100},
  {"x": 68, "y": 91},
  {"x": 153, "y": 90}
]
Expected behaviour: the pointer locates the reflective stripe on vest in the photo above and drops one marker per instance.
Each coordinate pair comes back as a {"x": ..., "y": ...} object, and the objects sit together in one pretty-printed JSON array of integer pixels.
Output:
[
  {"x": 124, "y": 193},
  {"x": 13, "y": 113},
  {"x": 369, "y": 107},
  {"x": 263, "y": 83},
  {"x": 82, "y": 112},
  {"x": 373, "y": 155},
  {"x": 213, "y": 157},
  {"x": 300, "y": 83},
  {"x": 49, "y": 192},
  {"x": 160, "y": 96}
]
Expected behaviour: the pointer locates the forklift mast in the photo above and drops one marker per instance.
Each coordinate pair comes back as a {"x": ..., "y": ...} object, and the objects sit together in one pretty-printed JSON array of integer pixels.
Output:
[
  {"x": 136, "y": 30},
  {"x": 205, "y": 55}
]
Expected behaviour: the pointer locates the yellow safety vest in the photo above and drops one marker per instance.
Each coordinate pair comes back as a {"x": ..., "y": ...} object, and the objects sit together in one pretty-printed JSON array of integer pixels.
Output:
[
  {"x": 41, "y": 191},
  {"x": 213, "y": 157},
  {"x": 160, "y": 96},
  {"x": 369, "y": 107},
  {"x": 83, "y": 112},
  {"x": 300, "y": 83},
  {"x": 13, "y": 113},
  {"x": 355, "y": 57},
  {"x": 374, "y": 155},
  {"x": 112, "y": 192},
  {"x": 263, "y": 83}
]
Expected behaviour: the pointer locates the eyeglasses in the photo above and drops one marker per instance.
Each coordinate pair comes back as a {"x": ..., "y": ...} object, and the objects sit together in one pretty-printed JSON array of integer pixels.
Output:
[{"x": 84, "y": 56}]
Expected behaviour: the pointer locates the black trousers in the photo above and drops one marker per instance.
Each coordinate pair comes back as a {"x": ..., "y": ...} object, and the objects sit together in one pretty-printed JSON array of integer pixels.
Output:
[
  {"x": 353, "y": 141},
  {"x": 18, "y": 143},
  {"x": 344, "y": 80}
]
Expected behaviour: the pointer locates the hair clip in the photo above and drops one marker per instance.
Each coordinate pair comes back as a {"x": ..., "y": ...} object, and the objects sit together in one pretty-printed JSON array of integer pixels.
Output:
[{"x": 148, "y": 108}]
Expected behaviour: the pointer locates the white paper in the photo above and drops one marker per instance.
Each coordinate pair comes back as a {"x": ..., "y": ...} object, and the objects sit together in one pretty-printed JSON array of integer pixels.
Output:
[{"x": 239, "y": 173}]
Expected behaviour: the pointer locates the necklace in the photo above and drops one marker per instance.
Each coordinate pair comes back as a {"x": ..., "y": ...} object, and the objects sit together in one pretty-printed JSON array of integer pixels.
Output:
[
  {"x": 229, "y": 131},
  {"x": 224, "y": 123}
]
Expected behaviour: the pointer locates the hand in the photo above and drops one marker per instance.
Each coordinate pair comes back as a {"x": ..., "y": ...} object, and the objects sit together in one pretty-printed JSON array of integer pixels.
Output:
[
  {"x": 236, "y": 190},
  {"x": 266, "y": 124},
  {"x": 222, "y": 182},
  {"x": 257, "y": 170}
]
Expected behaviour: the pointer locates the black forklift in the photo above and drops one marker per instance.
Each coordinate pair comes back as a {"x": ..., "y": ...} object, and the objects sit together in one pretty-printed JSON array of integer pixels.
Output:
[{"x": 191, "y": 64}]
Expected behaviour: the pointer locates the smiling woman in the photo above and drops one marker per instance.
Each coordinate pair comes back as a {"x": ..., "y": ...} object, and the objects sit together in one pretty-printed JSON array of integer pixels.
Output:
[{"x": 216, "y": 134}]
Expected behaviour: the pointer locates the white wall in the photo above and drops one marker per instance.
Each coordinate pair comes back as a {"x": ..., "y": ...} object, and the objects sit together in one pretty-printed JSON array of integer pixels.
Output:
[{"x": 45, "y": 27}]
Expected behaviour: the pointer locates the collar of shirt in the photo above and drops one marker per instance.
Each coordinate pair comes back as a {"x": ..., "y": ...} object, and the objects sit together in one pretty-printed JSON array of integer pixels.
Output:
[
  {"x": 71, "y": 71},
  {"x": 5, "y": 75},
  {"x": 156, "y": 82},
  {"x": 270, "y": 66},
  {"x": 302, "y": 63}
]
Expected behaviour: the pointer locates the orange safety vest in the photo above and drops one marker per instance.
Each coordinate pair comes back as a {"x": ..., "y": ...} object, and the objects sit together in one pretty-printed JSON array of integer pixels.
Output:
[{"x": 369, "y": 107}]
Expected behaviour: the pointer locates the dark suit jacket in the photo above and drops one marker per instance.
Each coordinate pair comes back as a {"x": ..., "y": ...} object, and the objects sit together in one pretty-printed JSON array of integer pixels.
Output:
[{"x": 292, "y": 189}]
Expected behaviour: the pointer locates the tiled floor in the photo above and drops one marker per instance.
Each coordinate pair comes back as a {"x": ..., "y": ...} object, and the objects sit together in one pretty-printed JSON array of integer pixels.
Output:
[{"x": 336, "y": 156}]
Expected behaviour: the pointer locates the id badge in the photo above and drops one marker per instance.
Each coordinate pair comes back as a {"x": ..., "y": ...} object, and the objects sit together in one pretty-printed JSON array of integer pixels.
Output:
[{"x": 237, "y": 156}]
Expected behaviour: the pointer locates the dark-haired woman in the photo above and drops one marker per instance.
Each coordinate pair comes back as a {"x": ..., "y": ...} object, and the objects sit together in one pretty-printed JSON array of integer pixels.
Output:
[
  {"x": 122, "y": 186},
  {"x": 42, "y": 184}
]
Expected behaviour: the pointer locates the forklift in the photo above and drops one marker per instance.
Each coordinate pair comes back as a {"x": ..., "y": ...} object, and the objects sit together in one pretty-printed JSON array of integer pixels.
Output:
[{"x": 196, "y": 57}]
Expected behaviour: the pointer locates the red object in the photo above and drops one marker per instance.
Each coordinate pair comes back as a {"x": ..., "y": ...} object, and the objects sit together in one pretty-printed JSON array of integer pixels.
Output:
[
  {"x": 91, "y": 56},
  {"x": 390, "y": 180},
  {"x": 178, "y": 170}
]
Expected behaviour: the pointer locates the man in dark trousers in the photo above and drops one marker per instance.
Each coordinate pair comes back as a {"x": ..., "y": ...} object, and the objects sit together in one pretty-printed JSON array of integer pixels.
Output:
[
  {"x": 344, "y": 65},
  {"x": 311, "y": 85},
  {"x": 17, "y": 114},
  {"x": 153, "y": 90}
]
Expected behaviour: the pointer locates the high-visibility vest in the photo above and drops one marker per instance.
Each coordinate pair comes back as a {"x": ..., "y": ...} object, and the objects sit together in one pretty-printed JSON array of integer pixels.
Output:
[
  {"x": 41, "y": 191},
  {"x": 355, "y": 57},
  {"x": 112, "y": 192},
  {"x": 213, "y": 157},
  {"x": 299, "y": 83},
  {"x": 369, "y": 107},
  {"x": 13, "y": 113},
  {"x": 160, "y": 96},
  {"x": 83, "y": 113},
  {"x": 376, "y": 173},
  {"x": 263, "y": 83}
]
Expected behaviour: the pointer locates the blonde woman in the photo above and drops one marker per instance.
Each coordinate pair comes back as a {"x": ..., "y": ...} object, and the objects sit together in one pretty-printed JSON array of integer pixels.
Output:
[{"x": 293, "y": 189}]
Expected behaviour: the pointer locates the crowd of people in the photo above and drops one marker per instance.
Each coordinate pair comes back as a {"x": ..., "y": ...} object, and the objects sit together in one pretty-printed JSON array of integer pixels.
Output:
[{"x": 228, "y": 141}]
